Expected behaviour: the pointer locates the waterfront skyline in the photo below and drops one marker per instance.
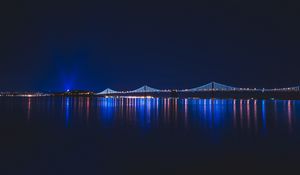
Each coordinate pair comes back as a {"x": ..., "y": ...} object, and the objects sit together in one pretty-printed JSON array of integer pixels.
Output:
[
  {"x": 75, "y": 45},
  {"x": 208, "y": 86},
  {"x": 209, "y": 90}
]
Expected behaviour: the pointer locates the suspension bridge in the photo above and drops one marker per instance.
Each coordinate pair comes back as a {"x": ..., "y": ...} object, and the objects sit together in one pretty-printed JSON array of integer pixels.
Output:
[{"x": 207, "y": 90}]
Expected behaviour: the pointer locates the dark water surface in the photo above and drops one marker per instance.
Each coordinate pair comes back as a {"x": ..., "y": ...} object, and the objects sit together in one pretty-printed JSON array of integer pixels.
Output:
[{"x": 84, "y": 135}]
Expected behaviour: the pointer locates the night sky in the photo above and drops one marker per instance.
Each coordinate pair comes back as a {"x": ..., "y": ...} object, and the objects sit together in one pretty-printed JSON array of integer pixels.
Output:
[{"x": 63, "y": 45}]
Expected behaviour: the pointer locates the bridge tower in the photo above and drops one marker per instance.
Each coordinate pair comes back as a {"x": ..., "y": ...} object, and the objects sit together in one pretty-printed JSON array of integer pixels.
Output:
[
  {"x": 212, "y": 89},
  {"x": 145, "y": 91}
]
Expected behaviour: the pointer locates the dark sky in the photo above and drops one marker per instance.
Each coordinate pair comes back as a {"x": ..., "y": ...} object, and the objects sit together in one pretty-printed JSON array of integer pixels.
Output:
[{"x": 123, "y": 45}]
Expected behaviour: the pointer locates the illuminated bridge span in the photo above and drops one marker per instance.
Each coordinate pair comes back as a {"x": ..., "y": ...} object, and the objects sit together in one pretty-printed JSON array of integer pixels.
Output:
[
  {"x": 107, "y": 91},
  {"x": 213, "y": 86},
  {"x": 144, "y": 89},
  {"x": 207, "y": 88}
]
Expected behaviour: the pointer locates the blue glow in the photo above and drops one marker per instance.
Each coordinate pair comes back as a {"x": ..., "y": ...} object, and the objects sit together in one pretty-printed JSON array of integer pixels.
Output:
[{"x": 67, "y": 86}]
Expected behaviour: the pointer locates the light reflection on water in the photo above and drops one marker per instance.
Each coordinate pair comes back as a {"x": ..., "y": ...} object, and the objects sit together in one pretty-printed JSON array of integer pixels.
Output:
[
  {"x": 28, "y": 108},
  {"x": 116, "y": 132},
  {"x": 256, "y": 116}
]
